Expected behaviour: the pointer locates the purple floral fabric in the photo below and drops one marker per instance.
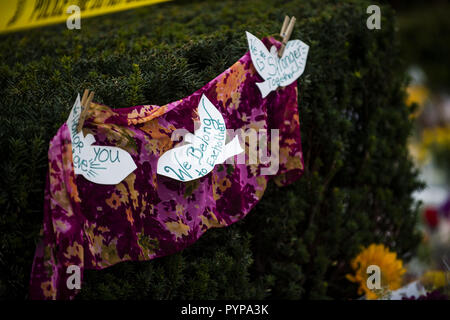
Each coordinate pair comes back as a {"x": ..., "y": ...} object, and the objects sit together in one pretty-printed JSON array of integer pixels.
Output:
[{"x": 146, "y": 216}]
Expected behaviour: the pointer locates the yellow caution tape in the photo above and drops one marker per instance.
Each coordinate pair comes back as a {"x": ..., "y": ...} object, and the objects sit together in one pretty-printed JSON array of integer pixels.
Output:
[{"x": 21, "y": 14}]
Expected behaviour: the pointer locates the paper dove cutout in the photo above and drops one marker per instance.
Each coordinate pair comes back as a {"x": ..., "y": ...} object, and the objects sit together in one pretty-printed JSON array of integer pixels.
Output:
[
  {"x": 204, "y": 149},
  {"x": 98, "y": 164},
  {"x": 277, "y": 72}
]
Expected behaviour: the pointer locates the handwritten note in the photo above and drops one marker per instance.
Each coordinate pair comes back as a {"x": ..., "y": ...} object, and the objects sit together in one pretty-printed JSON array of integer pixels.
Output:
[
  {"x": 204, "y": 149},
  {"x": 98, "y": 164},
  {"x": 277, "y": 72}
]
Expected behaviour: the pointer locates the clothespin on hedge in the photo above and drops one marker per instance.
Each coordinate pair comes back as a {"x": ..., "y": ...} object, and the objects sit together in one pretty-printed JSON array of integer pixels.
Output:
[
  {"x": 85, "y": 104},
  {"x": 286, "y": 31}
]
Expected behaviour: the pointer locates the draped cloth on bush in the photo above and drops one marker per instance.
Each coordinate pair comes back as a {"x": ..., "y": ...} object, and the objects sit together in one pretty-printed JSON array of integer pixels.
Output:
[{"x": 147, "y": 215}]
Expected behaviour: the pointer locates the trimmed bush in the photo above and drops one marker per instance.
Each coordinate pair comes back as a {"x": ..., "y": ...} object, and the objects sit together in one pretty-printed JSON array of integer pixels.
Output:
[{"x": 299, "y": 240}]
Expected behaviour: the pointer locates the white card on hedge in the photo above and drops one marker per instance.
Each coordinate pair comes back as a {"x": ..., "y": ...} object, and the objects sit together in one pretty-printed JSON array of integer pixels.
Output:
[
  {"x": 98, "y": 164},
  {"x": 276, "y": 71}
]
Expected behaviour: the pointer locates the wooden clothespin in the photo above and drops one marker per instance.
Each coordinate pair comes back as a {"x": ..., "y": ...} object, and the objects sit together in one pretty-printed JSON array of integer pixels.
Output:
[
  {"x": 286, "y": 31},
  {"x": 85, "y": 104}
]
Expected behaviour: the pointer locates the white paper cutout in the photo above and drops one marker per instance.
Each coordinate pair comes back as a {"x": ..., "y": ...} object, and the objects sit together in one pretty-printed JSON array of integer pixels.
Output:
[
  {"x": 412, "y": 289},
  {"x": 277, "y": 72},
  {"x": 203, "y": 150},
  {"x": 98, "y": 164}
]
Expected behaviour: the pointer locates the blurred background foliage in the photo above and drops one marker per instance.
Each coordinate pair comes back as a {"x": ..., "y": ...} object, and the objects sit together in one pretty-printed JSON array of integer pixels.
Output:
[
  {"x": 359, "y": 179},
  {"x": 425, "y": 35}
]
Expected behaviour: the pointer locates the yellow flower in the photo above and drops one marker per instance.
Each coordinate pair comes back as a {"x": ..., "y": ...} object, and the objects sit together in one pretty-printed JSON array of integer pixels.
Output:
[
  {"x": 431, "y": 137},
  {"x": 438, "y": 135},
  {"x": 434, "y": 279},
  {"x": 391, "y": 269},
  {"x": 417, "y": 94}
]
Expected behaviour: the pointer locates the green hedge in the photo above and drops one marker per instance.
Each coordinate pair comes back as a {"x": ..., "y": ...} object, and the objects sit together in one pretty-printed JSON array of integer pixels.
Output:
[{"x": 298, "y": 241}]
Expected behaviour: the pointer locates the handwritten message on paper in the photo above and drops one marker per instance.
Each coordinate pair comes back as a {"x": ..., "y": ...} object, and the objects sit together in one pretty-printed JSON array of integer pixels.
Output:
[
  {"x": 277, "y": 72},
  {"x": 205, "y": 148},
  {"x": 98, "y": 164}
]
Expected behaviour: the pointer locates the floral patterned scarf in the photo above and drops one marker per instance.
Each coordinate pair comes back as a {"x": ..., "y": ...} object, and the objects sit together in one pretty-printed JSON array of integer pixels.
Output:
[{"x": 146, "y": 216}]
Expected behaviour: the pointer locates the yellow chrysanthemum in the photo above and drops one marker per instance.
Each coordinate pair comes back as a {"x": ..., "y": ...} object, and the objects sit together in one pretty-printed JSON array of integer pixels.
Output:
[{"x": 391, "y": 269}]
